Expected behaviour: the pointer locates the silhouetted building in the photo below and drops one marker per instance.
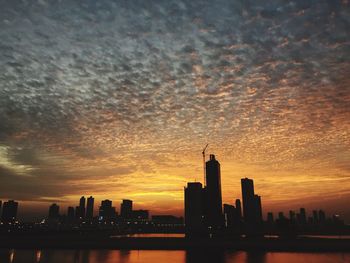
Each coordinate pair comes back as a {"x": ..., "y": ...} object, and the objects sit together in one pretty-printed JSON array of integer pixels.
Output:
[
  {"x": 167, "y": 220},
  {"x": 107, "y": 211},
  {"x": 0, "y": 206},
  {"x": 252, "y": 210},
  {"x": 194, "y": 207},
  {"x": 310, "y": 220},
  {"x": 270, "y": 219},
  {"x": 258, "y": 208},
  {"x": 337, "y": 220},
  {"x": 140, "y": 215},
  {"x": 77, "y": 212},
  {"x": 315, "y": 216},
  {"x": 54, "y": 211},
  {"x": 302, "y": 217},
  {"x": 230, "y": 215},
  {"x": 292, "y": 216},
  {"x": 70, "y": 213},
  {"x": 90, "y": 208},
  {"x": 213, "y": 209},
  {"x": 239, "y": 208},
  {"x": 281, "y": 216},
  {"x": 321, "y": 216},
  {"x": 9, "y": 211},
  {"x": 126, "y": 209},
  {"x": 81, "y": 208},
  {"x": 248, "y": 200}
]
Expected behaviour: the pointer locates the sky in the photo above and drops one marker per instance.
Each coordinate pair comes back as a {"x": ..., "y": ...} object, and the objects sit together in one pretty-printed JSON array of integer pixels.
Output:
[{"x": 117, "y": 99}]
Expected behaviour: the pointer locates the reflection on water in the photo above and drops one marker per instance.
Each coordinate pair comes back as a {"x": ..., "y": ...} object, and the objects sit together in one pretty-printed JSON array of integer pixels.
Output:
[
  {"x": 12, "y": 256},
  {"x": 38, "y": 256},
  {"x": 150, "y": 235},
  {"x": 199, "y": 256},
  {"x": 327, "y": 236},
  {"x": 168, "y": 256},
  {"x": 266, "y": 236}
]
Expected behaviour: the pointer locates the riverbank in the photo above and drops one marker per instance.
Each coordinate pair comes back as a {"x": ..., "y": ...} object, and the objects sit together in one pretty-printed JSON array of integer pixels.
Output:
[{"x": 175, "y": 243}]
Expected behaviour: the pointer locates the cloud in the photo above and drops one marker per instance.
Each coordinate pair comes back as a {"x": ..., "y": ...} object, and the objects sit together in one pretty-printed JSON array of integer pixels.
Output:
[{"x": 103, "y": 89}]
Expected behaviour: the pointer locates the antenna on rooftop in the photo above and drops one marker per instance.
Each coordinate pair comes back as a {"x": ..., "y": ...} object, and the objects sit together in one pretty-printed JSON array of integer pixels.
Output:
[{"x": 203, "y": 153}]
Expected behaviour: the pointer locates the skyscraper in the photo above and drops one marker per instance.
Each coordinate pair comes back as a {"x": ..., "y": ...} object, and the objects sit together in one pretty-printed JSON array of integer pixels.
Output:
[
  {"x": 302, "y": 220},
  {"x": 140, "y": 215},
  {"x": 81, "y": 212},
  {"x": 270, "y": 219},
  {"x": 315, "y": 216},
  {"x": 70, "y": 213},
  {"x": 213, "y": 193},
  {"x": 239, "y": 208},
  {"x": 252, "y": 210},
  {"x": 9, "y": 211},
  {"x": 248, "y": 200},
  {"x": 321, "y": 216},
  {"x": 77, "y": 212},
  {"x": 54, "y": 211},
  {"x": 90, "y": 208},
  {"x": 258, "y": 209},
  {"x": 126, "y": 209},
  {"x": 281, "y": 216},
  {"x": 291, "y": 215},
  {"x": 230, "y": 215},
  {"x": 194, "y": 208},
  {"x": 106, "y": 211}
]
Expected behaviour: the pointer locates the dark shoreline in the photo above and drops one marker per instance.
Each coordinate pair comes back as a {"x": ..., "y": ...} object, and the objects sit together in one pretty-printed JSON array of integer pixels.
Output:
[{"x": 175, "y": 243}]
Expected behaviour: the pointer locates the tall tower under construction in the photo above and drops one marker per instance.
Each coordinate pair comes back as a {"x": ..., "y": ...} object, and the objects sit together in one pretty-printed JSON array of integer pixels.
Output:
[{"x": 213, "y": 207}]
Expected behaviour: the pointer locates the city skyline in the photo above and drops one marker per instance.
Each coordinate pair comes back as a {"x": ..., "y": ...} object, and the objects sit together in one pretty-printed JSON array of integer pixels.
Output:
[
  {"x": 117, "y": 99},
  {"x": 203, "y": 206},
  {"x": 197, "y": 206},
  {"x": 81, "y": 208}
]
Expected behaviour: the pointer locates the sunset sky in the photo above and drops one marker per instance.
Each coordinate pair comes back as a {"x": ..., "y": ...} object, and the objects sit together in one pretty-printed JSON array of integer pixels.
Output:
[{"x": 116, "y": 99}]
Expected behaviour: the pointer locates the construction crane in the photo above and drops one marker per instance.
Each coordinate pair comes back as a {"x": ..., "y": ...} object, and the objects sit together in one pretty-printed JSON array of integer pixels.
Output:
[{"x": 203, "y": 153}]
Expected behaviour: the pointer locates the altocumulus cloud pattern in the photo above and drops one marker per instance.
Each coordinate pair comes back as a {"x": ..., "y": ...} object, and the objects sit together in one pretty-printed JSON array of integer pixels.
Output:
[{"x": 108, "y": 90}]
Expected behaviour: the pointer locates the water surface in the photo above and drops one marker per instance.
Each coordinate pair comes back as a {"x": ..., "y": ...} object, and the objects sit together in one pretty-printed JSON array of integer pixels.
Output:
[{"x": 166, "y": 256}]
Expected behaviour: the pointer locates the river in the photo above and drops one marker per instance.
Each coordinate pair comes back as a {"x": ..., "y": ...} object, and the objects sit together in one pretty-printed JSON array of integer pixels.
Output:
[{"x": 166, "y": 256}]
